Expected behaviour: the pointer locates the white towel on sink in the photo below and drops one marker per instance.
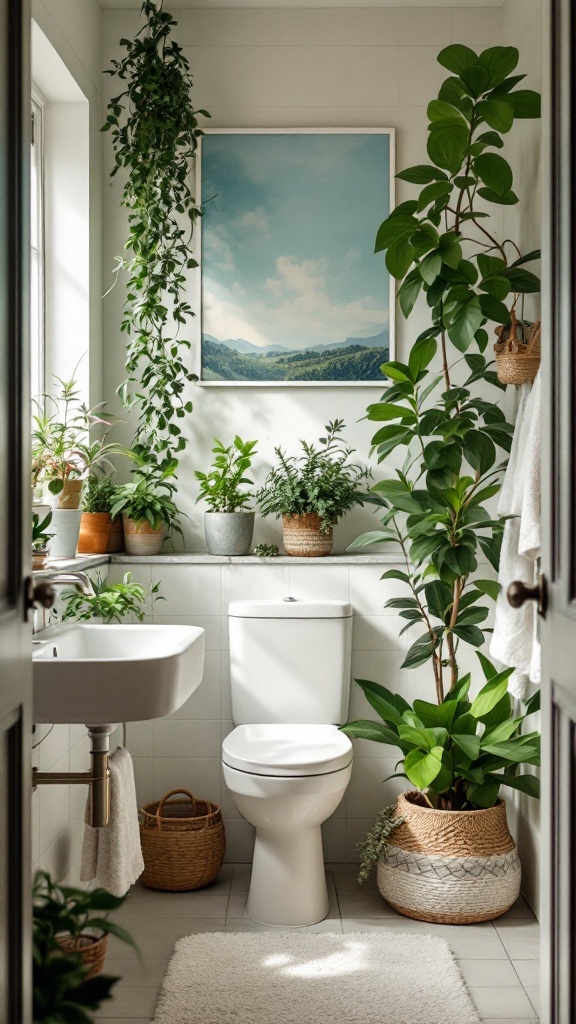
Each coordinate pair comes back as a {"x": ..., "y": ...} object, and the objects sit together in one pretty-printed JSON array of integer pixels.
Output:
[{"x": 112, "y": 856}]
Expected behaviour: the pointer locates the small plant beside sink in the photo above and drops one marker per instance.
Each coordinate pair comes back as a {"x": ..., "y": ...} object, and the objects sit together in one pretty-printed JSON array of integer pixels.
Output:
[{"x": 229, "y": 523}]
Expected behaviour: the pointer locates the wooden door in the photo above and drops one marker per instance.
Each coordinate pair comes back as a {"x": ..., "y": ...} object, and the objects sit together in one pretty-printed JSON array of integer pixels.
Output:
[
  {"x": 15, "y": 662},
  {"x": 559, "y": 520}
]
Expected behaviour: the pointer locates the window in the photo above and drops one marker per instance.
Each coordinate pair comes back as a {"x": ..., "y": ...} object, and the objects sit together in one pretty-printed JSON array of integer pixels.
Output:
[{"x": 37, "y": 253}]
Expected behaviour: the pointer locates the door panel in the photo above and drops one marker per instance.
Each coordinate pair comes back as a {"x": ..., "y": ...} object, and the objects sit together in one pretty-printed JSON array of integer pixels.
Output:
[{"x": 15, "y": 662}]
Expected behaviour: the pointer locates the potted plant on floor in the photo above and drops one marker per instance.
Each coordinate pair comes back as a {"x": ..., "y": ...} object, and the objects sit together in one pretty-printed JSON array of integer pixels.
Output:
[
  {"x": 312, "y": 492},
  {"x": 99, "y": 533},
  {"x": 149, "y": 512},
  {"x": 458, "y": 753},
  {"x": 70, "y": 933},
  {"x": 229, "y": 523},
  {"x": 110, "y": 602},
  {"x": 40, "y": 539}
]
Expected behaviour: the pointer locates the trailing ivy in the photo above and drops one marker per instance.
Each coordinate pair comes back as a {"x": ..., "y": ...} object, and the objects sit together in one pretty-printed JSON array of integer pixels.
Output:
[{"x": 155, "y": 132}]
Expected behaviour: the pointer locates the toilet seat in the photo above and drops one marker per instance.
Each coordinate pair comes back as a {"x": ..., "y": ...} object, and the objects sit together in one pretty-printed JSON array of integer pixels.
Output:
[{"x": 281, "y": 750}]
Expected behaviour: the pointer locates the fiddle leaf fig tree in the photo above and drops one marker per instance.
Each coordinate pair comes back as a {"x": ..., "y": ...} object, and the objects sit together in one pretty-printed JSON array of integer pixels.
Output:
[
  {"x": 155, "y": 130},
  {"x": 441, "y": 244}
]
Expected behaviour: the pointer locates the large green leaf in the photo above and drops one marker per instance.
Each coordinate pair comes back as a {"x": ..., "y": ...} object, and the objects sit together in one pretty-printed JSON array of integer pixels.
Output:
[
  {"x": 508, "y": 198},
  {"x": 468, "y": 744},
  {"x": 378, "y": 698},
  {"x": 400, "y": 256},
  {"x": 418, "y": 738},
  {"x": 498, "y": 114},
  {"x": 455, "y": 92},
  {"x": 495, "y": 172},
  {"x": 421, "y": 174},
  {"x": 447, "y": 146},
  {"x": 419, "y": 653},
  {"x": 503, "y": 731},
  {"x": 470, "y": 634},
  {"x": 490, "y": 694},
  {"x": 499, "y": 61},
  {"x": 421, "y": 355},
  {"x": 465, "y": 319},
  {"x": 456, "y": 57},
  {"x": 395, "y": 699},
  {"x": 477, "y": 78},
  {"x": 490, "y": 587},
  {"x": 372, "y": 537},
  {"x": 528, "y": 784},
  {"x": 484, "y": 795},
  {"x": 436, "y": 715},
  {"x": 440, "y": 110},
  {"x": 423, "y": 768},
  {"x": 394, "y": 228},
  {"x": 450, "y": 249},
  {"x": 479, "y": 451},
  {"x": 522, "y": 280},
  {"x": 525, "y": 103},
  {"x": 492, "y": 309},
  {"x": 366, "y": 730},
  {"x": 409, "y": 291}
]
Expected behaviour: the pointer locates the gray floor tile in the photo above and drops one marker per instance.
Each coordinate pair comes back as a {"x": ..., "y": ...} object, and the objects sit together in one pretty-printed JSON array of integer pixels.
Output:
[
  {"x": 365, "y": 905},
  {"x": 131, "y": 1000},
  {"x": 246, "y": 924},
  {"x": 519, "y": 909},
  {"x": 533, "y": 993},
  {"x": 509, "y": 1020},
  {"x": 155, "y": 946},
  {"x": 124, "y": 1020},
  {"x": 492, "y": 1002},
  {"x": 473, "y": 942},
  {"x": 241, "y": 878},
  {"x": 148, "y": 973},
  {"x": 521, "y": 938},
  {"x": 528, "y": 971},
  {"x": 496, "y": 973},
  {"x": 201, "y": 903}
]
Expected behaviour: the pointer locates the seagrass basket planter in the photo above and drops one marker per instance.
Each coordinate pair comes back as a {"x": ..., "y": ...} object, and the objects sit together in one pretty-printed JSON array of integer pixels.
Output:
[
  {"x": 450, "y": 867},
  {"x": 517, "y": 351},
  {"x": 302, "y": 536},
  {"x": 183, "y": 842},
  {"x": 92, "y": 949}
]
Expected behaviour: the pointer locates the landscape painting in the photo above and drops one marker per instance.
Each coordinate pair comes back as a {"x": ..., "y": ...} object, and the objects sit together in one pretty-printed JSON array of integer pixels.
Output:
[{"x": 292, "y": 292}]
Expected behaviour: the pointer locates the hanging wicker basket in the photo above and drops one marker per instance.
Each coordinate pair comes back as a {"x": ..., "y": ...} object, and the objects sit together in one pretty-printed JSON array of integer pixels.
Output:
[
  {"x": 92, "y": 949},
  {"x": 183, "y": 842},
  {"x": 517, "y": 351}
]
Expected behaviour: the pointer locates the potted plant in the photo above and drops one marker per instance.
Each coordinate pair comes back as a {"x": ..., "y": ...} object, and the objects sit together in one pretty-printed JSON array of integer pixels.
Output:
[
  {"x": 110, "y": 602},
  {"x": 99, "y": 533},
  {"x": 228, "y": 524},
  {"x": 458, "y": 752},
  {"x": 70, "y": 934},
  {"x": 312, "y": 492},
  {"x": 149, "y": 512},
  {"x": 40, "y": 539}
]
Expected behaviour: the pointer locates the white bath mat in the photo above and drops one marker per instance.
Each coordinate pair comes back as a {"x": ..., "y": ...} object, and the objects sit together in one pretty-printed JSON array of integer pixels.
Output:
[{"x": 313, "y": 978}]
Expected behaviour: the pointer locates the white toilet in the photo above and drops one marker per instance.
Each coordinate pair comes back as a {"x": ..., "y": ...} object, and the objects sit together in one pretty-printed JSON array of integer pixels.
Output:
[{"x": 286, "y": 764}]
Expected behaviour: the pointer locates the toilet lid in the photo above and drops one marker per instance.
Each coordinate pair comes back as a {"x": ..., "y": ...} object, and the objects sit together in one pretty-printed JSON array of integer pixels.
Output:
[{"x": 287, "y": 749}]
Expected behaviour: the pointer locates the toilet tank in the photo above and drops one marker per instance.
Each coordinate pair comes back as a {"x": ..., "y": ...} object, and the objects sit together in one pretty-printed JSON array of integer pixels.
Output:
[{"x": 290, "y": 661}]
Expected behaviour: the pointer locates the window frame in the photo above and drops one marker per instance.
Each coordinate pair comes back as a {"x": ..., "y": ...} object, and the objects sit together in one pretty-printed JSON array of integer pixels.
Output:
[{"x": 37, "y": 250}]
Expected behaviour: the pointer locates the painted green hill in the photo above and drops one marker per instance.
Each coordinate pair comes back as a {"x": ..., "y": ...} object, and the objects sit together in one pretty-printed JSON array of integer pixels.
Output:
[{"x": 357, "y": 362}]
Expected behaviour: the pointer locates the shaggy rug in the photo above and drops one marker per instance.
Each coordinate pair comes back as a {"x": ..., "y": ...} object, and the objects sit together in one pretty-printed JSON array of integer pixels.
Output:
[{"x": 313, "y": 978}]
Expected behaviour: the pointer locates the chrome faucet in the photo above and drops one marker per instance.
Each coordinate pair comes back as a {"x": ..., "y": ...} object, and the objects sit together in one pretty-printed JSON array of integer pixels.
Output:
[{"x": 80, "y": 580}]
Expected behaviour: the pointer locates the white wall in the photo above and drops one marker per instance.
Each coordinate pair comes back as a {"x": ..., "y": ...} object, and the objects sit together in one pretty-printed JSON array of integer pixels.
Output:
[
  {"x": 303, "y": 68},
  {"x": 73, "y": 154}
]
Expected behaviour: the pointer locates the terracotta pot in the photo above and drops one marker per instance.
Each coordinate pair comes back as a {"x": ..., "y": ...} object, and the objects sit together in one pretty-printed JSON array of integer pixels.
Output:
[
  {"x": 92, "y": 948},
  {"x": 94, "y": 533},
  {"x": 116, "y": 538},
  {"x": 450, "y": 867},
  {"x": 141, "y": 538},
  {"x": 302, "y": 536},
  {"x": 69, "y": 497}
]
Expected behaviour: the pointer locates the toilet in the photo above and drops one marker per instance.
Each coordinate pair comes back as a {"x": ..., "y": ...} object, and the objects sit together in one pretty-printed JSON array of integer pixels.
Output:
[{"x": 285, "y": 763}]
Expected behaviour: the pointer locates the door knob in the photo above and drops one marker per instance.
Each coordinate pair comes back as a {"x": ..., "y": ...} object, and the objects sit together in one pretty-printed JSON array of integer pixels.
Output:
[
  {"x": 41, "y": 593},
  {"x": 518, "y": 593}
]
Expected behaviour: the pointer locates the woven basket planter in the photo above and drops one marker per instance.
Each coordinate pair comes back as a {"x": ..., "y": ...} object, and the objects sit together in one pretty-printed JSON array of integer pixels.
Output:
[
  {"x": 302, "y": 536},
  {"x": 517, "y": 352},
  {"x": 183, "y": 842},
  {"x": 91, "y": 948},
  {"x": 450, "y": 867}
]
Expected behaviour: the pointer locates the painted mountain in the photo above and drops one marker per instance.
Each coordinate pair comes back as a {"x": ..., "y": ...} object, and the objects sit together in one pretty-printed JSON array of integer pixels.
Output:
[{"x": 355, "y": 359}]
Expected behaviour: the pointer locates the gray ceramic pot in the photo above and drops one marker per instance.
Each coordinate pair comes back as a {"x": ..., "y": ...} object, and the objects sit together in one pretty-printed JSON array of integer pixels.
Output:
[{"x": 229, "y": 533}]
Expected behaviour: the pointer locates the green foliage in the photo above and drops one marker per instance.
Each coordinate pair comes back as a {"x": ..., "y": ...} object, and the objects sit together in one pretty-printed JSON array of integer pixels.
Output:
[
  {"x": 155, "y": 131},
  {"x": 39, "y": 536},
  {"x": 322, "y": 480},
  {"x": 62, "y": 993},
  {"x": 61, "y": 446},
  {"x": 456, "y": 441},
  {"x": 111, "y": 602},
  {"x": 221, "y": 487},
  {"x": 376, "y": 843},
  {"x": 266, "y": 550},
  {"x": 355, "y": 362},
  {"x": 149, "y": 497},
  {"x": 460, "y": 752},
  {"x": 98, "y": 494}
]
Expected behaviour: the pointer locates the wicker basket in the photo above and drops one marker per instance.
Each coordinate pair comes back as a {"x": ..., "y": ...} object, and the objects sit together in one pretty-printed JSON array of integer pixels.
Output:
[
  {"x": 302, "y": 536},
  {"x": 450, "y": 867},
  {"x": 517, "y": 352},
  {"x": 183, "y": 842},
  {"x": 91, "y": 948}
]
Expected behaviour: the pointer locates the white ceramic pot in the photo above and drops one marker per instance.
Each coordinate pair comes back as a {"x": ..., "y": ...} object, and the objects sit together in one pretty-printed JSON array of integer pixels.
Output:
[
  {"x": 229, "y": 533},
  {"x": 142, "y": 539},
  {"x": 65, "y": 528}
]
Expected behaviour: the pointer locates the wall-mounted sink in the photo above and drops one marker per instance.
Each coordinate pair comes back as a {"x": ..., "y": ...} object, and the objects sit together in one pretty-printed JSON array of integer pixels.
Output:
[{"x": 105, "y": 674}]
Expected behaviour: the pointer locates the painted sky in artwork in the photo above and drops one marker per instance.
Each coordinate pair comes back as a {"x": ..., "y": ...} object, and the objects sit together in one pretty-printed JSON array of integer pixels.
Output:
[{"x": 288, "y": 237}]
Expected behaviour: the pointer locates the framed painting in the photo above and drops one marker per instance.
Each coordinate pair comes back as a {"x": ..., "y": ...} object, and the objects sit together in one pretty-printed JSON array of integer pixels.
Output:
[{"x": 291, "y": 291}]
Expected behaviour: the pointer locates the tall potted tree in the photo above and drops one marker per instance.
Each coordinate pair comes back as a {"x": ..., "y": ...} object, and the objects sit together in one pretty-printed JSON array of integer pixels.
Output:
[{"x": 458, "y": 752}]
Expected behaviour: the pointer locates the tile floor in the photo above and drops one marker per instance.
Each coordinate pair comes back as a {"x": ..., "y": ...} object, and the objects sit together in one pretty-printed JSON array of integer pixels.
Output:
[{"x": 499, "y": 961}]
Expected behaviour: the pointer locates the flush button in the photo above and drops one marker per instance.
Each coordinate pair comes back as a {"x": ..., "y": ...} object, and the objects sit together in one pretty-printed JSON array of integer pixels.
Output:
[{"x": 290, "y": 599}]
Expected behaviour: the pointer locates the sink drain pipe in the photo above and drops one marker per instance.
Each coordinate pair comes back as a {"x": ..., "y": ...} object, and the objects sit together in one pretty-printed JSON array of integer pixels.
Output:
[{"x": 98, "y": 778}]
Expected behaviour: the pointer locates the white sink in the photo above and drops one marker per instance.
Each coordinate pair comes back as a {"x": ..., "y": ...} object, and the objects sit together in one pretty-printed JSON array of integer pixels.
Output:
[{"x": 97, "y": 675}]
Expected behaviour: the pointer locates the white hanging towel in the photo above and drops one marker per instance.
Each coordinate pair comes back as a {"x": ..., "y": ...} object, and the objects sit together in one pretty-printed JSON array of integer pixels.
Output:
[
  {"x": 514, "y": 641},
  {"x": 112, "y": 856}
]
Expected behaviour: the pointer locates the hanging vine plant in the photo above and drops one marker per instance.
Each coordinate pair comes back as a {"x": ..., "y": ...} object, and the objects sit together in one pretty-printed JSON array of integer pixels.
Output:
[{"x": 155, "y": 132}]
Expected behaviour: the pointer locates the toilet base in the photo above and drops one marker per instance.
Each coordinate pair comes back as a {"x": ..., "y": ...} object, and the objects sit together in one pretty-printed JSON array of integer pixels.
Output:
[{"x": 288, "y": 884}]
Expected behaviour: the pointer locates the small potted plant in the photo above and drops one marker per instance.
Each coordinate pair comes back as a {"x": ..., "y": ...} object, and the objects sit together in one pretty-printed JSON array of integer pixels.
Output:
[
  {"x": 149, "y": 512},
  {"x": 228, "y": 524},
  {"x": 312, "y": 492},
  {"x": 99, "y": 533},
  {"x": 110, "y": 602},
  {"x": 464, "y": 866},
  {"x": 40, "y": 539},
  {"x": 74, "y": 922}
]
